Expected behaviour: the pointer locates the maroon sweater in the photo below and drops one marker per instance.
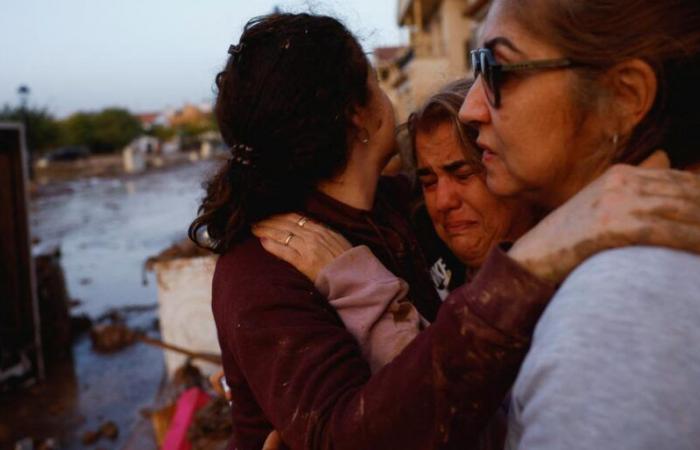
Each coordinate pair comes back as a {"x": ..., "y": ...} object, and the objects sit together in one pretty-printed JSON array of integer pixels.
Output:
[{"x": 293, "y": 367}]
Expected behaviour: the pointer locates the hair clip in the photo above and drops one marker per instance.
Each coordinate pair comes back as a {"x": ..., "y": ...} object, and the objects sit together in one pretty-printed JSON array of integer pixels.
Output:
[
  {"x": 242, "y": 154},
  {"x": 235, "y": 51}
]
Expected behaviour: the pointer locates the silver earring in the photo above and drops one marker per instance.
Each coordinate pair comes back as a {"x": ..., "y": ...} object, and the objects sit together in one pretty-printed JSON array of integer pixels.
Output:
[
  {"x": 365, "y": 141},
  {"x": 615, "y": 138}
]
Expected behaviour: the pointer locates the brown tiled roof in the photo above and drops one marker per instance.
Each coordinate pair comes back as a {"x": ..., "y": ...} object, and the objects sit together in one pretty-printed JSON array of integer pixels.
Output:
[
  {"x": 147, "y": 117},
  {"x": 387, "y": 54}
]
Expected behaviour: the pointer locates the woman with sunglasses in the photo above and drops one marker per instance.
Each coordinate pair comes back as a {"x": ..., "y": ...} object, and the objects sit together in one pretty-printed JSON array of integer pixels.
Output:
[{"x": 564, "y": 90}]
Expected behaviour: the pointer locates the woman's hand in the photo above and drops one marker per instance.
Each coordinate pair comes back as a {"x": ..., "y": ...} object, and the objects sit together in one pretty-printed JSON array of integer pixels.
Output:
[
  {"x": 646, "y": 205},
  {"x": 273, "y": 441},
  {"x": 305, "y": 244}
]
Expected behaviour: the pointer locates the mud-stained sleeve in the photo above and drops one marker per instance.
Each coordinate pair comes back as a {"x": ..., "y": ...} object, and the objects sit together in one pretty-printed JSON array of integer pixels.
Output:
[
  {"x": 507, "y": 296},
  {"x": 308, "y": 375},
  {"x": 372, "y": 303}
]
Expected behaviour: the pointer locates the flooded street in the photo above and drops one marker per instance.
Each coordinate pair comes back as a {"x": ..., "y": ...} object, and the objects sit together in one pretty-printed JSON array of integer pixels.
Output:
[{"x": 105, "y": 228}]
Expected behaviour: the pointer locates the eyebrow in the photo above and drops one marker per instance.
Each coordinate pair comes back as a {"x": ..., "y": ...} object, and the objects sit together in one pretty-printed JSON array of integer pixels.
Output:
[
  {"x": 449, "y": 168},
  {"x": 504, "y": 41},
  {"x": 454, "y": 166}
]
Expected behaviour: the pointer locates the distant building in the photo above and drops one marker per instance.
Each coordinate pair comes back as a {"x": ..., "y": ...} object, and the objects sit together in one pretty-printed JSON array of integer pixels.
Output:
[
  {"x": 441, "y": 34},
  {"x": 146, "y": 144},
  {"x": 384, "y": 61},
  {"x": 189, "y": 114},
  {"x": 150, "y": 119}
]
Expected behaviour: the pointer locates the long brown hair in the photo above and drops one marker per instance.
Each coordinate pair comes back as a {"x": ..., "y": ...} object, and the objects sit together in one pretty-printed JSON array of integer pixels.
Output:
[
  {"x": 284, "y": 106},
  {"x": 602, "y": 33}
]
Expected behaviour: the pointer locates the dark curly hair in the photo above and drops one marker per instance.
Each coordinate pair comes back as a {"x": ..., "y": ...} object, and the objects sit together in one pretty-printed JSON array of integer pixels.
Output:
[{"x": 286, "y": 97}]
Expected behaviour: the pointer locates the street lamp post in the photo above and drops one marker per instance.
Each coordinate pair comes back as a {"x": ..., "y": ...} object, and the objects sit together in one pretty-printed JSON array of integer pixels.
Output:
[{"x": 23, "y": 92}]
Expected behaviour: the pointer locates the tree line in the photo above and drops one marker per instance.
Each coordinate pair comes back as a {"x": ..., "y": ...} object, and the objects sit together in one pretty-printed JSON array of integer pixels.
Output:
[{"x": 105, "y": 131}]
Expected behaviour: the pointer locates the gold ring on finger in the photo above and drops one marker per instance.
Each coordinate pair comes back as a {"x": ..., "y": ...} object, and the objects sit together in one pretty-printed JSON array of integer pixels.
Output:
[
  {"x": 288, "y": 239},
  {"x": 302, "y": 221}
]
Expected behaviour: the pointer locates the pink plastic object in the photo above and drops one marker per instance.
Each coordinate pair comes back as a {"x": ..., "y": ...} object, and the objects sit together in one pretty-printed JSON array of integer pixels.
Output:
[{"x": 189, "y": 403}]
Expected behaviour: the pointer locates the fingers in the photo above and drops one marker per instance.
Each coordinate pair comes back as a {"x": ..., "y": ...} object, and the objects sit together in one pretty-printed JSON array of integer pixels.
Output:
[
  {"x": 311, "y": 232},
  {"x": 657, "y": 160},
  {"x": 215, "y": 380},
  {"x": 273, "y": 441},
  {"x": 331, "y": 237},
  {"x": 286, "y": 238},
  {"x": 670, "y": 183},
  {"x": 670, "y": 208},
  {"x": 670, "y": 233},
  {"x": 284, "y": 252},
  {"x": 654, "y": 182}
]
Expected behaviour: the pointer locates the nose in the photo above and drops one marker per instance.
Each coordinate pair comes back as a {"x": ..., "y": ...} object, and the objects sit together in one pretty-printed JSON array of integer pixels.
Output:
[
  {"x": 475, "y": 109},
  {"x": 446, "y": 196}
]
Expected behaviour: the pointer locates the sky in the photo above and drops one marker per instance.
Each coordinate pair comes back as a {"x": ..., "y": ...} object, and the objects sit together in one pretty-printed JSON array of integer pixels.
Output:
[{"x": 144, "y": 55}]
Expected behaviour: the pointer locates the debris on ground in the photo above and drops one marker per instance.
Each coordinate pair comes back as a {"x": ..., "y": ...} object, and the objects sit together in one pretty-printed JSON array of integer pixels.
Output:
[
  {"x": 209, "y": 357},
  {"x": 90, "y": 437},
  {"x": 188, "y": 376},
  {"x": 211, "y": 425},
  {"x": 188, "y": 403},
  {"x": 108, "y": 338},
  {"x": 80, "y": 324},
  {"x": 161, "y": 413},
  {"x": 182, "y": 249},
  {"x": 160, "y": 418},
  {"x": 111, "y": 333},
  {"x": 36, "y": 444},
  {"x": 108, "y": 430}
]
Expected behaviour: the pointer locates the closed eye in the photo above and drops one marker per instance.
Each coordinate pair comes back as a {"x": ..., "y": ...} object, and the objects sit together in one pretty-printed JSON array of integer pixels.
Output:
[{"x": 427, "y": 181}]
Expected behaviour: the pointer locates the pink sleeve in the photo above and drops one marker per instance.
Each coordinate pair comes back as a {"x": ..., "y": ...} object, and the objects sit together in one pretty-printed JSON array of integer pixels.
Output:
[{"x": 372, "y": 303}]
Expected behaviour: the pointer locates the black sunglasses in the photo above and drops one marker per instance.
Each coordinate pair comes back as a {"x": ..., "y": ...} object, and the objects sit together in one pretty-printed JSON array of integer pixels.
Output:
[{"x": 484, "y": 64}]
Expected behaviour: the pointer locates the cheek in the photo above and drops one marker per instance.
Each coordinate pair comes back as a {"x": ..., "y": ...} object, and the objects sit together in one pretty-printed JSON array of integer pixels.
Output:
[
  {"x": 536, "y": 129},
  {"x": 429, "y": 198},
  {"x": 501, "y": 179},
  {"x": 499, "y": 220},
  {"x": 495, "y": 213},
  {"x": 389, "y": 115}
]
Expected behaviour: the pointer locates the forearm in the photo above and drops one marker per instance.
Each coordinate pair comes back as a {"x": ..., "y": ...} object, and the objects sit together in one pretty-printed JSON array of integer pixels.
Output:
[
  {"x": 371, "y": 301},
  {"x": 442, "y": 388}
]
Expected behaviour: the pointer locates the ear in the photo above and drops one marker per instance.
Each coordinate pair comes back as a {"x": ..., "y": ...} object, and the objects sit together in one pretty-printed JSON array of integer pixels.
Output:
[
  {"x": 360, "y": 120},
  {"x": 634, "y": 86}
]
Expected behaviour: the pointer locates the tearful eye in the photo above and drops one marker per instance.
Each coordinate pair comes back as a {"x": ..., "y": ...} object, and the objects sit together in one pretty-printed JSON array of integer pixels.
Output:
[
  {"x": 427, "y": 183},
  {"x": 464, "y": 175}
]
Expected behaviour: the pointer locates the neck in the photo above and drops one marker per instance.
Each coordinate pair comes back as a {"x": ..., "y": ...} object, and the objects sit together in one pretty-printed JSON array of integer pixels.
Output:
[
  {"x": 355, "y": 186},
  {"x": 527, "y": 216}
]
